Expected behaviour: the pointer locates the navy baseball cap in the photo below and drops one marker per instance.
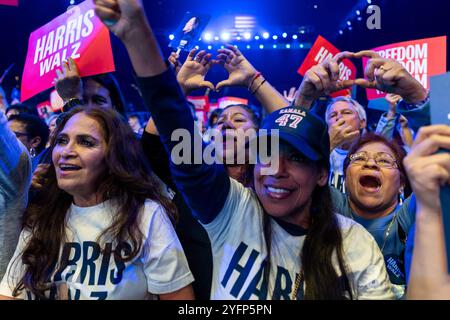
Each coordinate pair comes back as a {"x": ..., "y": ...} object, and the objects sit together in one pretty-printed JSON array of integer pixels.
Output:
[{"x": 302, "y": 129}]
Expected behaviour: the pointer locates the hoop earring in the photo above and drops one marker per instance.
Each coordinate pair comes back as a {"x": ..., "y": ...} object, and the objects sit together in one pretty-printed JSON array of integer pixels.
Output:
[
  {"x": 401, "y": 197},
  {"x": 32, "y": 152}
]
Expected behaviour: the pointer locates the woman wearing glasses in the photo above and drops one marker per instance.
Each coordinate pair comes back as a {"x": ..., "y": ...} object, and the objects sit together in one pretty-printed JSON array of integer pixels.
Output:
[{"x": 376, "y": 180}]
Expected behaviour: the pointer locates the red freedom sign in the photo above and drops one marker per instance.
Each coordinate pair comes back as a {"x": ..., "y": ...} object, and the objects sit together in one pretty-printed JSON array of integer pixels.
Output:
[
  {"x": 79, "y": 34},
  {"x": 10, "y": 2},
  {"x": 322, "y": 50},
  {"x": 422, "y": 58}
]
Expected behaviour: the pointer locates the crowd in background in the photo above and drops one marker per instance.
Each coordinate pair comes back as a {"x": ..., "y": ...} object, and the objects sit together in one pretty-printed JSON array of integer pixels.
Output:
[{"x": 93, "y": 204}]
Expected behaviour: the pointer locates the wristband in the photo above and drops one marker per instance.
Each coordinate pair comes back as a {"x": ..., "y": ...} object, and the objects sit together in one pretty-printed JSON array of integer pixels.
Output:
[
  {"x": 256, "y": 76},
  {"x": 256, "y": 90}
]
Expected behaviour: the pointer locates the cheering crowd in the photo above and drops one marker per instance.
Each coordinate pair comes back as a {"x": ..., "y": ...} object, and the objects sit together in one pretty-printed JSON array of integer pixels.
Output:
[{"x": 92, "y": 206}]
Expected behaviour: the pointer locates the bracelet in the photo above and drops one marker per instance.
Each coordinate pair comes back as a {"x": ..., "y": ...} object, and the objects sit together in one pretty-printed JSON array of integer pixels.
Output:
[
  {"x": 71, "y": 103},
  {"x": 256, "y": 76},
  {"x": 256, "y": 90}
]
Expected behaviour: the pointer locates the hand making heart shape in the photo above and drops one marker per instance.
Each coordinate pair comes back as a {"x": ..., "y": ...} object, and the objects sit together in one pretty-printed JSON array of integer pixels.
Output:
[
  {"x": 322, "y": 79},
  {"x": 382, "y": 74},
  {"x": 192, "y": 74}
]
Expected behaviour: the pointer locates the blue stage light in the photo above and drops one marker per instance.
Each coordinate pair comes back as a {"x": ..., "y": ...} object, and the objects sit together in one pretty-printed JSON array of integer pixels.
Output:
[
  {"x": 207, "y": 36},
  {"x": 225, "y": 36}
]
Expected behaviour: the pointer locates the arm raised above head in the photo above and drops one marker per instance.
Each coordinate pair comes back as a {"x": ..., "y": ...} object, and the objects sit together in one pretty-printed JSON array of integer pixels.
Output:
[{"x": 205, "y": 187}]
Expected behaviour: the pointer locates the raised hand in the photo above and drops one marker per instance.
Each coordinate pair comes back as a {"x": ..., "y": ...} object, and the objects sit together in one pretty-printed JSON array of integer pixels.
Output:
[
  {"x": 122, "y": 17},
  {"x": 322, "y": 79},
  {"x": 68, "y": 81},
  {"x": 392, "y": 100},
  {"x": 192, "y": 73},
  {"x": 391, "y": 77},
  {"x": 127, "y": 20},
  {"x": 240, "y": 70},
  {"x": 403, "y": 121},
  {"x": 290, "y": 96},
  {"x": 341, "y": 133},
  {"x": 405, "y": 131},
  {"x": 426, "y": 170},
  {"x": 174, "y": 60},
  {"x": 38, "y": 179}
]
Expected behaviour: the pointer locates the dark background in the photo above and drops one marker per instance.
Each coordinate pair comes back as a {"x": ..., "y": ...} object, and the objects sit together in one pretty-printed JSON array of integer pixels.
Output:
[{"x": 401, "y": 20}]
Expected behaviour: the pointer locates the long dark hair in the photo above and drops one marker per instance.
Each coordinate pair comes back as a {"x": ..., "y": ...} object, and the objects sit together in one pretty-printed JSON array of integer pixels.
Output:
[
  {"x": 324, "y": 237},
  {"x": 128, "y": 181},
  {"x": 323, "y": 240}
]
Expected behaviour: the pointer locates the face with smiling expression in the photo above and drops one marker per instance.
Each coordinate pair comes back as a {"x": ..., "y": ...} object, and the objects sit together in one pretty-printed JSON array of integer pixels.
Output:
[
  {"x": 79, "y": 159},
  {"x": 288, "y": 193},
  {"x": 372, "y": 187}
]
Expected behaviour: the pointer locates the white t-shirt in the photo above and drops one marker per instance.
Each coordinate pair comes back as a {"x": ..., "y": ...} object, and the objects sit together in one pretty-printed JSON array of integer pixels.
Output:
[
  {"x": 239, "y": 250},
  {"x": 336, "y": 179},
  {"x": 90, "y": 270}
]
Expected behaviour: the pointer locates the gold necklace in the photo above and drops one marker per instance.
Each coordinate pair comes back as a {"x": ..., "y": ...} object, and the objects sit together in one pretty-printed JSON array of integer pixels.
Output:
[
  {"x": 388, "y": 230},
  {"x": 298, "y": 281}
]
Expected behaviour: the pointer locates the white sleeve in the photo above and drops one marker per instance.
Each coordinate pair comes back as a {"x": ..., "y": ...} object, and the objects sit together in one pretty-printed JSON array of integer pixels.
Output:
[
  {"x": 367, "y": 271},
  {"x": 234, "y": 214},
  {"x": 15, "y": 270},
  {"x": 165, "y": 264}
]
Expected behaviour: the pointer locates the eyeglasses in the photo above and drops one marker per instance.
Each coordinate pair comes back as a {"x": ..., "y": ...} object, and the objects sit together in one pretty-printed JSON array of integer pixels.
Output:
[{"x": 382, "y": 159}]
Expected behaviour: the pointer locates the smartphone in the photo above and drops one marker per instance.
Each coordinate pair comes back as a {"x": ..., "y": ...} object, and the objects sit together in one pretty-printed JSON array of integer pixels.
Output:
[{"x": 440, "y": 114}]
